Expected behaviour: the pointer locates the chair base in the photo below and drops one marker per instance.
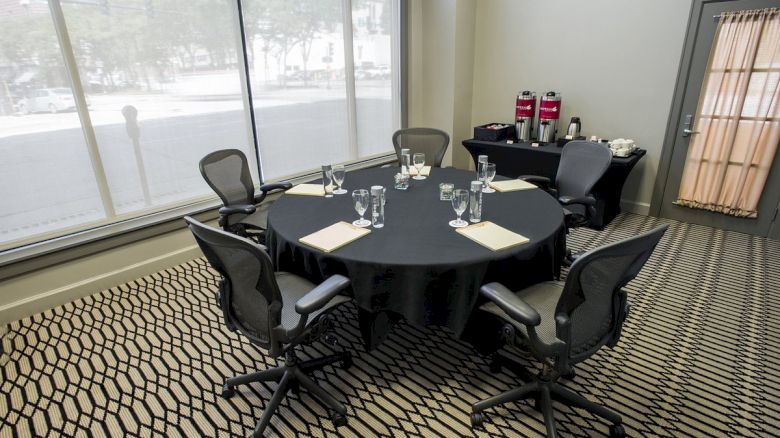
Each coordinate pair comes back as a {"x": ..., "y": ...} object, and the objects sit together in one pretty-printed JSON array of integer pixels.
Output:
[
  {"x": 543, "y": 390},
  {"x": 291, "y": 377}
]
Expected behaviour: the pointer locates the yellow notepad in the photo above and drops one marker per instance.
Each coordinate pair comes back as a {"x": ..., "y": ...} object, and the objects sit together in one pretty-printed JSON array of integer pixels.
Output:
[
  {"x": 426, "y": 171},
  {"x": 334, "y": 237},
  {"x": 307, "y": 189},
  {"x": 492, "y": 236},
  {"x": 511, "y": 185}
]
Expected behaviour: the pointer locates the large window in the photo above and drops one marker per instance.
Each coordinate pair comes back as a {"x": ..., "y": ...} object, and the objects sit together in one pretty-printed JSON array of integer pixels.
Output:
[{"x": 107, "y": 106}]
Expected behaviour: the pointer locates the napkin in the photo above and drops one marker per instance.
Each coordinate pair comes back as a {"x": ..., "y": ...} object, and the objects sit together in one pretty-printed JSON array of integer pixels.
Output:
[
  {"x": 307, "y": 189},
  {"x": 334, "y": 237},
  {"x": 511, "y": 185},
  {"x": 492, "y": 236}
]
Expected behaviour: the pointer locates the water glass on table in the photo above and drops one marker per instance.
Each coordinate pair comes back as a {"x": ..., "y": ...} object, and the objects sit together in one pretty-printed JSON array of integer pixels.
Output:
[
  {"x": 327, "y": 180},
  {"x": 445, "y": 191},
  {"x": 490, "y": 173},
  {"x": 362, "y": 199},
  {"x": 460, "y": 200},
  {"x": 339, "y": 173},
  {"x": 418, "y": 160}
]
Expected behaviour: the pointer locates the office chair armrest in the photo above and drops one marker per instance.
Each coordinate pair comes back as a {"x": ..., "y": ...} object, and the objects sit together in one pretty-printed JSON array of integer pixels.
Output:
[
  {"x": 535, "y": 179},
  {"x": 266, "y": 189},
  {"x": 320, "y": 295},
  {"x": 510, "y": 303},
  {"x": 284, "y": 185},
  {"x": 584, "y": 200},
  {"x": 241, "y": 208}
]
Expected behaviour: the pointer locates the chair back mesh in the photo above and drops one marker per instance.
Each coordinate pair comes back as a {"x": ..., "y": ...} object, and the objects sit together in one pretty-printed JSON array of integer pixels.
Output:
[
  {"x": 590, "y": 297},
  {"x": 249, "y": 296},
  {"x": 431, "y": 142},
  {"x": 582, "y": 164},
  {"x": 227, "y": 172}
]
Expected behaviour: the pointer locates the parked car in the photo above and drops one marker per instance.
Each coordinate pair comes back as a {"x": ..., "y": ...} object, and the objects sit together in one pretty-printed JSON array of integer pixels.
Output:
[
  {"x": 52, "y": 100},
  {"x": 379, "y": 72}
]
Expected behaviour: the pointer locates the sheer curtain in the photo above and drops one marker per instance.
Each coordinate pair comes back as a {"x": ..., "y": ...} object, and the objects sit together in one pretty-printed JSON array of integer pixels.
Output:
[{"x": 737, "y": 117}]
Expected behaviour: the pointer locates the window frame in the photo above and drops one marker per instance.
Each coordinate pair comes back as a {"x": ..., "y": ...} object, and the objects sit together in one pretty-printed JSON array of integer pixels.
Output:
[{"x": 48, "y": 249}]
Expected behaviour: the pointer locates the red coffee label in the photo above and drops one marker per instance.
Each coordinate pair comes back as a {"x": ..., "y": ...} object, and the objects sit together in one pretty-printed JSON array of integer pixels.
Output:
[
  {"x": 525, "y": 107},
  {"x": 549, "y": 109}
]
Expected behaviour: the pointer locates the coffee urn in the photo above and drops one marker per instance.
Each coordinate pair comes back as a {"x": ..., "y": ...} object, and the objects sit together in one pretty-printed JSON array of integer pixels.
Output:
[
  {"x": 525, "y": 108},
  {"x": 549, "y": 113}
]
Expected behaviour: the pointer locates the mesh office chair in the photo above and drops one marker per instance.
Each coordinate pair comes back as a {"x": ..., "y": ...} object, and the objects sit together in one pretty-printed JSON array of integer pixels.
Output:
[
  {"x": 582, "y": 165},
  {"x": 276, "y": 311},
  {"x": 227, "y": 173},
  {"x": 432, "y": 142},
  {"x": 565, "y": 323}
]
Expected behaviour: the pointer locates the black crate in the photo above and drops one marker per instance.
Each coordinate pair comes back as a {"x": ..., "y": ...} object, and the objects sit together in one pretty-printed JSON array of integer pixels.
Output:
[{"x": 483, "y": 133}]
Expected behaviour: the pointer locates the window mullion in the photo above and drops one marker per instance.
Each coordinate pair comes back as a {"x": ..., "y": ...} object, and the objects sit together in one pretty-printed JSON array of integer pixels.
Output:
[
  {"x": 81, "y": 106},
  {"x": 395, "y": 51},
  {"x": 246, "y": 90},
  {"x": 349, "y": 76}
]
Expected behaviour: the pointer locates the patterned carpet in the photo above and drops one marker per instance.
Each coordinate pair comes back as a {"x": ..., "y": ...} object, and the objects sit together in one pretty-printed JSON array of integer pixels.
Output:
[{"x": 700, "y": 356}]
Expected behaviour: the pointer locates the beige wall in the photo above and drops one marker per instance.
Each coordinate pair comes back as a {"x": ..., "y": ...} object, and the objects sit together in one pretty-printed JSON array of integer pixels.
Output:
[
  {"x": 440, "y": 70},
  {"x": 615, "y": 63}
]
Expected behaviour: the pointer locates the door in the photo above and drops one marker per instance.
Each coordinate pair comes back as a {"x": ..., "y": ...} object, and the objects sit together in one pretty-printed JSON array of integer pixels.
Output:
[{"x": 701, "y": 31}]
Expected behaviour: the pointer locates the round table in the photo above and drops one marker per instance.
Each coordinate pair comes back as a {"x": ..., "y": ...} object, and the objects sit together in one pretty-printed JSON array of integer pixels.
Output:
[{"x": 417, "y": 266}]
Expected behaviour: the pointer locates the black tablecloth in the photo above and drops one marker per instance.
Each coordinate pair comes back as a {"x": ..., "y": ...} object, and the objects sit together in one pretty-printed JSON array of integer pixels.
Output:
[
  {"x": 518, "y": 159},
  {"x": 417, "y": 266}
]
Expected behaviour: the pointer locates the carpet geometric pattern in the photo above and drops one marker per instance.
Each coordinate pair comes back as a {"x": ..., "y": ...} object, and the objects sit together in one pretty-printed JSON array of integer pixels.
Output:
[{"x": 699, "y": 356}]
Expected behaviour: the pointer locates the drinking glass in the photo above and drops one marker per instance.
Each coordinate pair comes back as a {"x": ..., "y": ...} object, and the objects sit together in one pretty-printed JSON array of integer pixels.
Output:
[
  {"x": 490, "y": 173},
  {"x": 460, "y": 200},
  {"x": 339, "y": 173},
  {"x": 327, "y": 180},
  {"x": 419, "y": 162},
  {"x": 362, "y": 199}
]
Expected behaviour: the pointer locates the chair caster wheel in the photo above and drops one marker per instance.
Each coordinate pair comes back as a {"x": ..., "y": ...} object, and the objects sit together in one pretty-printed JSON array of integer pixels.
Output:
[
  {"x": 295, "y": 387},
  {"x": 495, "y": 366},
  {"x": 228, "y": 391},
  {"x": 538, "y": 404},
  {"x": 477, "y": 419},
  {"x": 617, "y": 431},
  {"x": 338, "y": 419},
  {"x": 570, "y": 376},
  {"x": 346, "y": 362}
]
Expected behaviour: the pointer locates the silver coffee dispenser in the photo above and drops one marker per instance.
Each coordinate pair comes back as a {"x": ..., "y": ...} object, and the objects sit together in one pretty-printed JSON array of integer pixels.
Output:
[
  {"x": 525, "y": 108},
  {"x": 549, "y": 114},
  {"x": 575, "y": 126}
]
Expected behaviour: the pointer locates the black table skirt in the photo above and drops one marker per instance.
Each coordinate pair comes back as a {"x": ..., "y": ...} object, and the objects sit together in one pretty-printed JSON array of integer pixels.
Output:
[
  {"x": 513, "y": 160},
  {"x": 417, "y": 267}
]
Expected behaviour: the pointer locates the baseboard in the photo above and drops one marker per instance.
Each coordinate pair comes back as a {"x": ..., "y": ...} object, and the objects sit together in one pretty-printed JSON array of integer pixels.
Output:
[
  {"x": 59, "y": 296},
  {"x": 642, "y": 208}
]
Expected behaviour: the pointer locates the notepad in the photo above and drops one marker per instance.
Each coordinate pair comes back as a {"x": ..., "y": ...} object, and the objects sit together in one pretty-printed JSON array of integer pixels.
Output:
[
  {"x": 492, "y": 236},
  {"x": 426, "y": 171},
  {"x": 307, "y": 189},
  {"x": 334, "y": 237},
  {"x": 511, "y": 185}
]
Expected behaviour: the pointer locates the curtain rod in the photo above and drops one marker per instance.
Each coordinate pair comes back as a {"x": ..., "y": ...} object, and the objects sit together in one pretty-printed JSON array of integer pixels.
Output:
[{"x": 718, "y": 17}]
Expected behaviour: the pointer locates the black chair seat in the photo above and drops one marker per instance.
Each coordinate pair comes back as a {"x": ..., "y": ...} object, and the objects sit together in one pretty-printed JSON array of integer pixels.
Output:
[
  {"x": 294, "y": 288},
  {"x": 543, "y": 297}
]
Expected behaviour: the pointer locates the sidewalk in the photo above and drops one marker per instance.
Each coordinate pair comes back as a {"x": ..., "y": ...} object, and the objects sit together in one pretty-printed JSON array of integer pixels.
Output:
[{"x": 107, "y": 109}]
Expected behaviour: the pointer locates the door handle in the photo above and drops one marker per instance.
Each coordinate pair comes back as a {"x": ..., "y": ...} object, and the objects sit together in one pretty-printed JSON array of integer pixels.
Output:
[{"x": 687, "y": 131}]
